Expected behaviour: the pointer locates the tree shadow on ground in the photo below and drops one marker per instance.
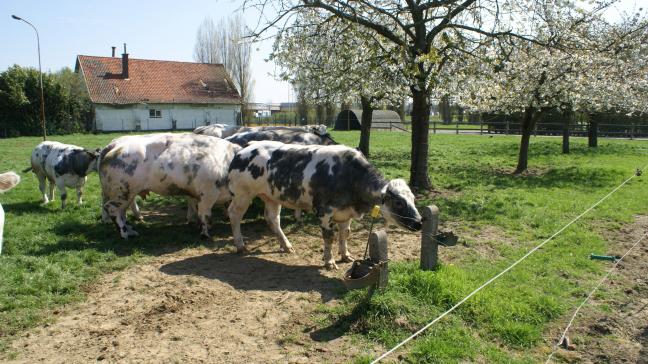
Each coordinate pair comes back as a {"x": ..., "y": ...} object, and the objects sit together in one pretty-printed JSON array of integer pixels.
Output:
[
  {"x": 28, "y": 207},
  {"x": 252, "y": 273}
]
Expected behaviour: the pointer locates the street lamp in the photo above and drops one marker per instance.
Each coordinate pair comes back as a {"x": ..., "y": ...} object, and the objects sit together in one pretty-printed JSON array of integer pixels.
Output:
[{"x": 40, "y": 73}]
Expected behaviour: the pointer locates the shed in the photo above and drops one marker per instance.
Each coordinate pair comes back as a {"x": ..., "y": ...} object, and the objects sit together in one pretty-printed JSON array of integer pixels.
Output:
[{"x": 381, "y": 119}]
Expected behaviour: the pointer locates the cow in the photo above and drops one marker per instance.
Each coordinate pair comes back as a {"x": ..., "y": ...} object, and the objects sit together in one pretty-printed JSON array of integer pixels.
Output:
[
  {"x": 283, "y": 135},
  {"x": 217, "y": 130},
  {"x": 335, "y": 181},
  {"x": 63, "y": 165},
  {"x": 224, "y": 131},
  {"x": 168, "y": 164},
  {"x": 8, "y": 180}
]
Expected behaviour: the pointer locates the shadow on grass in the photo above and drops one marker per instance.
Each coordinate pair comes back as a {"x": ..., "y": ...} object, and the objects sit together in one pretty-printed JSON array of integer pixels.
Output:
[
  {"x": 343, "y": 324},
  {"x": 252, "y": 273},
  {"x": 29, "y": 207}
]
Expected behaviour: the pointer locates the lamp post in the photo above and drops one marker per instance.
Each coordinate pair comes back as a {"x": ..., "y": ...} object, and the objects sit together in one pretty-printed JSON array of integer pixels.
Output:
[{"x": 40, "y": 74}]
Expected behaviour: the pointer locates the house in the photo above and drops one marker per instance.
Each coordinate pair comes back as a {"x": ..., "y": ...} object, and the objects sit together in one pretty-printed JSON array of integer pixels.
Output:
[{"x": 142, "y": 94}]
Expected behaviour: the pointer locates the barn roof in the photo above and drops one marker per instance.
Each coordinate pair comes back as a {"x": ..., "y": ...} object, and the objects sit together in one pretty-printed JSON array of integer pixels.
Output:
[{"x": 153, "y": 81}]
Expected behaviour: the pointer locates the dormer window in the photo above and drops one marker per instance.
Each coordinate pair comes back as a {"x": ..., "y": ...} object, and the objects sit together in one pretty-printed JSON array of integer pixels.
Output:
[{"x": 154, "y": 113}]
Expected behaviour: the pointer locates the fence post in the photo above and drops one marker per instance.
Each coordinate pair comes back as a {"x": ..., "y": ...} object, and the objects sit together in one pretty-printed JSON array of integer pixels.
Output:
[
  {"x": 481, "y": 127},
  {"x": 632, "y": 131},
  {"x": 378, "y": 253},
  {"x": 434, "y": 127},
  {"x": 457, "y": 128},
  {"x": 429, "y": 246},
  {"x": 508, "y": 128}
]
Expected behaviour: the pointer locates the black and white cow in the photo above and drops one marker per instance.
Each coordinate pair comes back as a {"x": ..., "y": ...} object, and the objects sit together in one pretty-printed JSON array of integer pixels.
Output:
[
  {"x": 224, "y": 130},
  {"x": 217, "y": 130},
  {"x": 63, "y": 165},
  {"x": 336, "y": 182},
  {"x": 283, "y": 135},
  {"x": 186, "y": 164}
]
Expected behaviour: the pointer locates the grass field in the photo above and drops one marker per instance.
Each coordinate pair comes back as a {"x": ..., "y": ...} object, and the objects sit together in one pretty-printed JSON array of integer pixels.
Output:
[{"x": 50, "y": 255}]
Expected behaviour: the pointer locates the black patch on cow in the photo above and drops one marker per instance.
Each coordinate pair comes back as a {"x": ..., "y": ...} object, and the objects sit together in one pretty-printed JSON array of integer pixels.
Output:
[
  {"x": 76, "y": 162},
  {"x": 255, "y": 171},
  {"x": 240, "y": 163},
  {"x": 175, "y": 190},
  {"x": 352, "y": 182},
  {"x": 286, "y": 171},
  {"x": 199, "y": 143},
  {"x": 170, "y": 165},
  {"x": 328, "y": 234}
]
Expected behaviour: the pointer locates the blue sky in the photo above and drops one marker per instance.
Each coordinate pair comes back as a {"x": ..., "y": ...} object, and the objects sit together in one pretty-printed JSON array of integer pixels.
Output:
[{"x": 163, "y": 30}]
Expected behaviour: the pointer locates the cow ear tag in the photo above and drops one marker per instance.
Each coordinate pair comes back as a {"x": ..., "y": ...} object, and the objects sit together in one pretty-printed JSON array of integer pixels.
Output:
[{"x": 375, "y": 211}]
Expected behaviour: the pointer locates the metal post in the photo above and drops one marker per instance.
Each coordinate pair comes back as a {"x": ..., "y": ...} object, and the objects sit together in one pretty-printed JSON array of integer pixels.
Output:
[
  {"x": 434, "y": 127},
  {"x": 40, "y": 74},
  {"x": 457, "y": 127},
  {"x": 508, "y": 127},
  {"x": 378, "y": 253},
  {"x": 481, "y": 127},
  {"x": 429, "y": 245}
]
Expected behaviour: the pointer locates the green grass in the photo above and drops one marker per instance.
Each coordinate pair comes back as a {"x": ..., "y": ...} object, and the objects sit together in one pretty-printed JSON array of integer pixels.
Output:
[
  {"x": 505, "y": 322},
  {"x": 51, "y": 255}
]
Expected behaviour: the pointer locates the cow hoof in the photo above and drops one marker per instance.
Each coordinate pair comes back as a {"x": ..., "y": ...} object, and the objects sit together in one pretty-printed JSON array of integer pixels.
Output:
[
  {"x": 242, "y": 250},
  {"x": 331, "y": 266},
  {"x": 347, "y": 259}
]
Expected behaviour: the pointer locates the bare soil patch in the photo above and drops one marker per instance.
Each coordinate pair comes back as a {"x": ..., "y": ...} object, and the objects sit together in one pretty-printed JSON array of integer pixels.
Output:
[
  {"x": 204, "y": 305},
  {"x": 613, "y": 326}
]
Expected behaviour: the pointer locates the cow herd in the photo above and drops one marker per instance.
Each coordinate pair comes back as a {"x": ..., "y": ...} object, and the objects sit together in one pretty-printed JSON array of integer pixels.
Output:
[{"x": 301, "y": 168}]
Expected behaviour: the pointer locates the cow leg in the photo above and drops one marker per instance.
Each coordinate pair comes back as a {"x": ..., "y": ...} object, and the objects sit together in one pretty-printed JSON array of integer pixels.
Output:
[
  {"x": 117, "y": 212},
  {"x": 136, "y": 211},
  {"x": 204, "y": 215},
  {"x": 329, "y": 235},
  {"x": 42, "y": 186},
  {"x": 61, "y": 187},
  {"x": 79, "y": 190},
  {"x": 344, "y": 229},
  {"x": 51, "y": 190},
  {"x": 298, "y": 215},
  {"x": 192, "y": 210},
  {"x": 272, "y": 216},
  {"x": 236, "y": 210}
]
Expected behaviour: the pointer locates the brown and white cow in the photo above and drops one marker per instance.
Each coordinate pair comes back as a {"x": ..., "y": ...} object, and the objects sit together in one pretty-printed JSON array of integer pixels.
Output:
[
  {"x": 63, "y": 165},
  {"x": 186, "y": 164},
  {"x": 8, "y": 180},
  {"x": 336, "y": 182}
]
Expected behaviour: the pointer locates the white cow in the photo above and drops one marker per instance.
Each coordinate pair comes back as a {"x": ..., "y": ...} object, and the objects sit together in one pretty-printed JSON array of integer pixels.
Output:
[
  {"x": 63, "y": 165},
  {"x": 186, "y": 164},
  {"x": 8, "y": 180}
]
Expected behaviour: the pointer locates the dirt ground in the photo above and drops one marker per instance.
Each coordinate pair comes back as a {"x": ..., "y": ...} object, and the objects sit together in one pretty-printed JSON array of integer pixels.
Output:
[
  {"x": 210, "y": 305},
  {"x": 613, "y": 326}
]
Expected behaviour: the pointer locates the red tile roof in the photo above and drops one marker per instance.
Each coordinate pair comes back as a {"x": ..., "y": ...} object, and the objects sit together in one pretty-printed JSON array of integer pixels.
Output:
[{"x": 153, "y": 81}]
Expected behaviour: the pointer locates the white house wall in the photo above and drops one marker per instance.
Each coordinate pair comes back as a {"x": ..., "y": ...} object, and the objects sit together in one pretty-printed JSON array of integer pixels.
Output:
[{"x": 134, "y": 117}]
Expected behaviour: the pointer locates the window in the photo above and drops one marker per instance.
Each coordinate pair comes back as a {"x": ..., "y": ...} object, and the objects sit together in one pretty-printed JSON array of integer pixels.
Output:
[{"x": 153, "y": 113}]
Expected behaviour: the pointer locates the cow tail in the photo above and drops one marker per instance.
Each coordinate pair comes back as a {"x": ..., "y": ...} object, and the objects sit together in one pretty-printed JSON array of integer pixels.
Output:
[{"x": 8, "y": 180}]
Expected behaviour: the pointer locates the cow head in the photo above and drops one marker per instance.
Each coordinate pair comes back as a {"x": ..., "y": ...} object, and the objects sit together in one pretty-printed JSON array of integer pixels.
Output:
[
  {"x": 398, "y": 205},
  {"x": 326, "y": 139},
  {"x": 91, "y": 157}
]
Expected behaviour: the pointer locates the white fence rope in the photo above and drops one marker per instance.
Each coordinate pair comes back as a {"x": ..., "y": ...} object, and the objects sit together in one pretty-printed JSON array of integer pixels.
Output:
[
  {"x": 488, "y": 282},
  {"x": 605, "y": 277}
]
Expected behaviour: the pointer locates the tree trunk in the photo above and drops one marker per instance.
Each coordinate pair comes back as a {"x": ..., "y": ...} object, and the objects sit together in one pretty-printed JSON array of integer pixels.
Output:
[
  {"x": 321, "y": 113},
  {"x": 330, "y": 114},
  {"x": 365, "y": 127},
  {"x": 444, "y": 110},
  {"x": 592, "y": 134},
  {"x": 528, "y": 122},
  {"x": 419, "y": 179},
  {"x": 567, "y": 118}
]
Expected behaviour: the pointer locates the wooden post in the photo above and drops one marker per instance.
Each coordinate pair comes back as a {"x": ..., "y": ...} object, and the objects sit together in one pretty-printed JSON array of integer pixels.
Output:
[
  {"x": 378, "y": 253},
  {"x": 429, "y": 246}
]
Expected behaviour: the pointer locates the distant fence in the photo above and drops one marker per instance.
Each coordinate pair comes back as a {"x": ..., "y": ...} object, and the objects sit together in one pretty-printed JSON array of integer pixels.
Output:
[{"x": 514, "y": 128}]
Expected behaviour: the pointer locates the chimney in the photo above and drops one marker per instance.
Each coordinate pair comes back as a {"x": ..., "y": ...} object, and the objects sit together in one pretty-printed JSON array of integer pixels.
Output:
[
  {"x": 124, "y": 63},
  {"x": 113, "y": 51}
]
